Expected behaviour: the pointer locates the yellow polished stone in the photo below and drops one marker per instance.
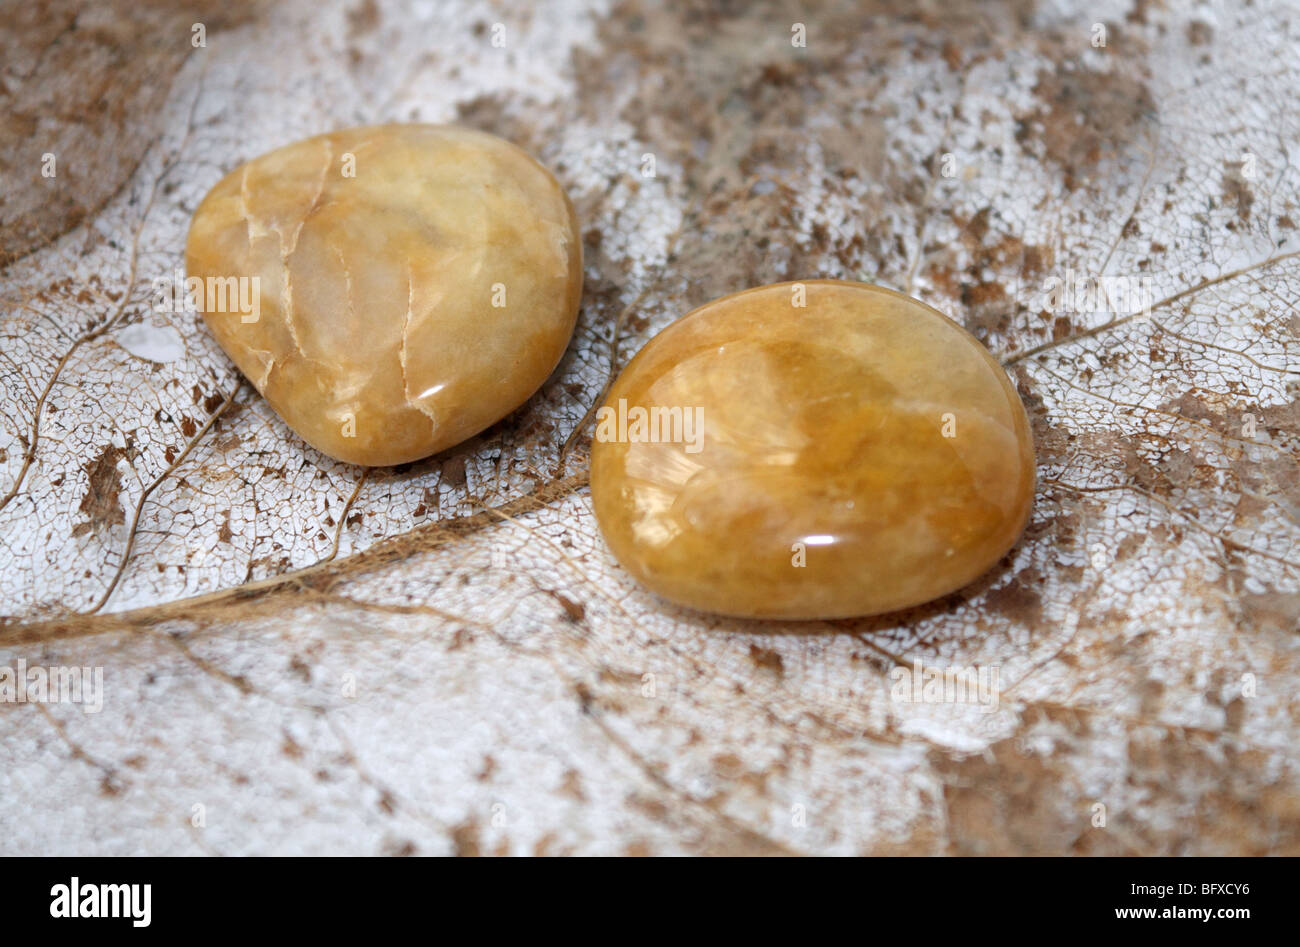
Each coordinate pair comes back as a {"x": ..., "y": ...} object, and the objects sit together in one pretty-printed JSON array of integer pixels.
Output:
[
  {"x": 856, "y": 454},
  {"x": 413, "y": 284}
]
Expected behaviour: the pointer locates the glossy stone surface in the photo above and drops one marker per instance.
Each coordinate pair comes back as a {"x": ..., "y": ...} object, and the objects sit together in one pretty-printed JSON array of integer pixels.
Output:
[
  {"x": 856, "y": 455},
  {"x": 417, "y": 284}
]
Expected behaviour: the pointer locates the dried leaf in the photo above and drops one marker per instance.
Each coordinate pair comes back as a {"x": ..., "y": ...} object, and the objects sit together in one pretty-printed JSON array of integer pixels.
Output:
[{"x": 444, "y": 658}]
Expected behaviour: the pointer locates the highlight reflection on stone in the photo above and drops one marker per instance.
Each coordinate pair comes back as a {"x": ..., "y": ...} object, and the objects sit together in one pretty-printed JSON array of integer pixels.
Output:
[
  {"x": 414, "y": 284},
  {"x": 854, "y": 455}
]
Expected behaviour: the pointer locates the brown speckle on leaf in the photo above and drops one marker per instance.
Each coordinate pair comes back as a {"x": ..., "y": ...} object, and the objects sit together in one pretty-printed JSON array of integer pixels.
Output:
[
  {"x": 465, "y": 839},
  {"x": 1085, "y": 117},
  {"x": 767, "y": 659},
  {"x": 102, "y": 503},
  {"x": 1236, "y": 190}
]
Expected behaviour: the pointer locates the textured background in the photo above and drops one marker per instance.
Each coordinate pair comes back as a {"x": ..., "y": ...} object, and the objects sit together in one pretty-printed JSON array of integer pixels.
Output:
[{"x": 443, "y": 657}]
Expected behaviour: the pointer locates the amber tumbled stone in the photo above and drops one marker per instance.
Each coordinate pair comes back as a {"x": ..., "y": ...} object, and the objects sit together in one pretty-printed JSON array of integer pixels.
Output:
[
  {"x": 855, "y": 454},
  {"x": 414, "y": 284}
]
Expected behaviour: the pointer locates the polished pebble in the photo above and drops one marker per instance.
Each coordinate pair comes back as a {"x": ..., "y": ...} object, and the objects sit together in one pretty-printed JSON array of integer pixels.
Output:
[
  {"x": 853, "y": 455},
  {"x": 415, "y": 284}
]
